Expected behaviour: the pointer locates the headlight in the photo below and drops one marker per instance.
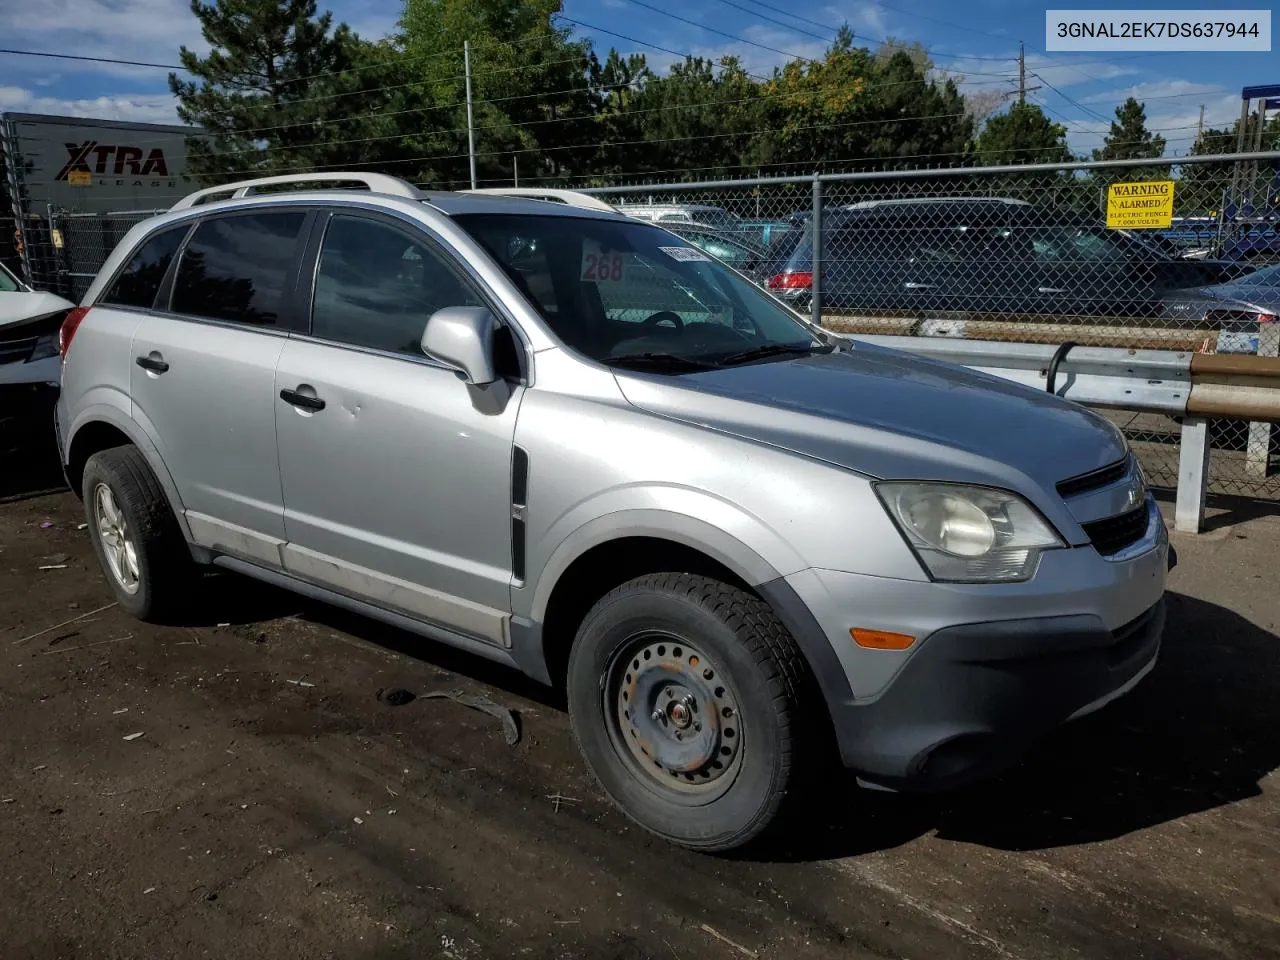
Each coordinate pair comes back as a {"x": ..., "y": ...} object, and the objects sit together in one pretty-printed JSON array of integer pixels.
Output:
[{"x": 969, "y": 534}]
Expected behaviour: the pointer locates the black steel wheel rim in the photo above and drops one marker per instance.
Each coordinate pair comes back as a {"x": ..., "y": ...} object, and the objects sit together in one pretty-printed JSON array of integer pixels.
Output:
[{"x": 673, "y": 717}]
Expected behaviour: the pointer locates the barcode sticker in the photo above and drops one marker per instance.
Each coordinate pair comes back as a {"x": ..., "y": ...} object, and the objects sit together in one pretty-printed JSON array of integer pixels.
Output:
[{"x": 686, "y": 254}]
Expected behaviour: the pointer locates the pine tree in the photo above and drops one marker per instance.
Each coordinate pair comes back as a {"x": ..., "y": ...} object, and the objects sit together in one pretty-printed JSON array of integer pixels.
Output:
[
  {"x": 273, "y": 93},
  {"x": 1022, "y": 134}
]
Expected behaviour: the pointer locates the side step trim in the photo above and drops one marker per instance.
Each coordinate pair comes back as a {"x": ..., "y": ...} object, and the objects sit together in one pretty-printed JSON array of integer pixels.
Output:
[{"x": 429, "y": 630}]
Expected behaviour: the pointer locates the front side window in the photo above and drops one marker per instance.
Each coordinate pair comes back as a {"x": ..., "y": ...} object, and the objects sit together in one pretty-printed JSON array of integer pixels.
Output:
[
  {"x": 237, "y": 268},
  {"x": 377, "y": 286},
  {"x": 139, "y": 283},
  {"x": 624, "y": 289}
]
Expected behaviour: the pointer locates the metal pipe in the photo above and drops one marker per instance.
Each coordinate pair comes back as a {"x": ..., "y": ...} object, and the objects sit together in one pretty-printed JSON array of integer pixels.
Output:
[
  {"x": 471, "y": 124},
  {"x": 815, "y": 306}
]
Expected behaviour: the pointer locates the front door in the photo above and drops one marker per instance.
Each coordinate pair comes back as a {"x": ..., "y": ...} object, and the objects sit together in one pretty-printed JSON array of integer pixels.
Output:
[{"x": 396, "y": 474}]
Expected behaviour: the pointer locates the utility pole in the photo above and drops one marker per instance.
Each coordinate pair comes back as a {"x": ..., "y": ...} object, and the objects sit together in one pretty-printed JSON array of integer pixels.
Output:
[
  {"x": 471, "y": 125},
  {"x": 1200, "y": 125},
  {"x": 1022, "y": 74},
  {"x": 515, "y": 171}
]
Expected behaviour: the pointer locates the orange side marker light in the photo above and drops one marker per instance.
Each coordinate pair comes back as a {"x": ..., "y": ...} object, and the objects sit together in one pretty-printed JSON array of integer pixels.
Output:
[{"x": 881, "y": 639}]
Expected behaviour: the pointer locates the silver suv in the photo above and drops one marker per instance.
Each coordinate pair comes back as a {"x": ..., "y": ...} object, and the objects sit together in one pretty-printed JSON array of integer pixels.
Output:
[{"x": 570, "y": 442}]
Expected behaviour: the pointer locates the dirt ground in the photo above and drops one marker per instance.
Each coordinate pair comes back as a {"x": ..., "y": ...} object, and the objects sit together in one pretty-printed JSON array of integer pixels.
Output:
[{"x": 235, "y": 787}]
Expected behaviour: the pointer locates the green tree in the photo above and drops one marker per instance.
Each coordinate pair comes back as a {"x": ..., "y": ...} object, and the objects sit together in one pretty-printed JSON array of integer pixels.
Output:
[
  {"x": 696, "y": 122},
  {"x": 618, "y": 88},
  {"x": 275, "y": 92},
  {"x": 852, "y": 106},
  {"x": 531, "y": 86},
  {"x": 1129, "y": 139},
  {"x": 1022, "y": 134}
]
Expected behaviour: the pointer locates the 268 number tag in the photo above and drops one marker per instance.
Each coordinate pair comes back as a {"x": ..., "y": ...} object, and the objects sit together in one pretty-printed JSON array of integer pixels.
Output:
[{"x": 601, "y": 267}]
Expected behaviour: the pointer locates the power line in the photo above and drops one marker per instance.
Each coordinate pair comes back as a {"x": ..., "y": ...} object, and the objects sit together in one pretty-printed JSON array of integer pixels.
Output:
[
  {"x": 88, "y": 59},
  {"x": 532, "y": 123},
  {"x": 1071, "y": 101},
  {"x": 730, "y": 36}
]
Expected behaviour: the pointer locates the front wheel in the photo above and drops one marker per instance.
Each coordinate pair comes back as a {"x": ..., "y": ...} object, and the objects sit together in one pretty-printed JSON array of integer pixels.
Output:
[{"x": 684, "y": 698}]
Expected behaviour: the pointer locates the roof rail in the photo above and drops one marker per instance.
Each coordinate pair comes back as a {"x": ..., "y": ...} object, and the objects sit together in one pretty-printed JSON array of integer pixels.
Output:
[
  {"x": 571, "y": 197},
  {"x": 376, "y": 182}
]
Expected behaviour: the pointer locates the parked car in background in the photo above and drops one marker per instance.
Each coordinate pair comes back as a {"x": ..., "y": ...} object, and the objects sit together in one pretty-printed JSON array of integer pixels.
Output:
[
  {"x": 1243, "y": 309},
  {"x": 691, "y": 213},
  {"x": 29, "y": 322},
  {"x": 735, "y": 249},
  {"x": 29, "y": 364},
  {"x": 577, "y": 445},
  {"x": 985, "y": 256}
]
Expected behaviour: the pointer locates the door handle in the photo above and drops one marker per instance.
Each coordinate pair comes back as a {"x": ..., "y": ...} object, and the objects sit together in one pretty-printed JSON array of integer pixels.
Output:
[
  {"x": 301, "y": 400},
  {"x": 153, "y": 363},
  {"x": 912, "y": 285},
  {"x": 1051, "y": 290}
]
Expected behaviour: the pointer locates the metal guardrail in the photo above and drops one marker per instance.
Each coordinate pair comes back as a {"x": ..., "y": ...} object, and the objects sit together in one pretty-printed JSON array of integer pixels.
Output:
[
  {"x": 1189, "y": 386},
  {"x": 1149, "y": 381}
]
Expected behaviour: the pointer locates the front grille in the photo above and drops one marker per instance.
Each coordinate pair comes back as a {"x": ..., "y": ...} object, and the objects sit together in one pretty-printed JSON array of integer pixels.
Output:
[
  {"x": 1094, "y": 480},
  {"x": 1113, "y": 534}
]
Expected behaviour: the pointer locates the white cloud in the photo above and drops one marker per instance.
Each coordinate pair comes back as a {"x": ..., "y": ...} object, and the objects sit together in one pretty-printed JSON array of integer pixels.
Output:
[
  {"x": 140, "y": 108},
  {"x": 146, "y": 30},
  {"x": 1173, "y": 121},
  {"x": 1156, "y": 90}
]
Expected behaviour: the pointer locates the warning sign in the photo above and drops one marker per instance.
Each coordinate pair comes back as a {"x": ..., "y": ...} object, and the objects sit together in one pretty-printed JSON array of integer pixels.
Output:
[
  {"x": 1138, "y": 206},
  {"x": 80, "y": 178}
]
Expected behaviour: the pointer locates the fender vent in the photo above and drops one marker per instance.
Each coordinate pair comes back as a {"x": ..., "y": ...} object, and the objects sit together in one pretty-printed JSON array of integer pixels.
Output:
[{"x": 519, "y": 501}]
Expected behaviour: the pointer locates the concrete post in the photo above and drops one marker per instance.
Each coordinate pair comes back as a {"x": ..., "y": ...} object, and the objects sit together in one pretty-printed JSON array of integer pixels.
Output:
[{"x": 1193, "y": 475}]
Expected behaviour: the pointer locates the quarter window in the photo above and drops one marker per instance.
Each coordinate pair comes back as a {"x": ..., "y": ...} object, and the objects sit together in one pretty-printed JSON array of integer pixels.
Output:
[
  {"x": 139, "y": 283},
  {"x": 237, "y": 268},
  {"x": 377, "y": 287}
]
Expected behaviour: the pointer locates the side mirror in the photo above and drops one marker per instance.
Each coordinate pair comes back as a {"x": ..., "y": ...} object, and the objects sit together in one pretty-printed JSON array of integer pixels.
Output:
[{"x": 462, "y": 338}]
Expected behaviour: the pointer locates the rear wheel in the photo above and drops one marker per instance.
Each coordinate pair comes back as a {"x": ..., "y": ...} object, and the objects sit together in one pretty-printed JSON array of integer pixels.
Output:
[
  {"x": 684, "y": 695},
  {"x": 134, "y": 533}
]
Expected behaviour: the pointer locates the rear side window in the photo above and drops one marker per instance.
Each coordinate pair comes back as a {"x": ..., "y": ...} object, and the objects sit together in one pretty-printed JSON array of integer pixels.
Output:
[
  {"x": 237, "y": 268},
  {"x": 139, "y": 282}
]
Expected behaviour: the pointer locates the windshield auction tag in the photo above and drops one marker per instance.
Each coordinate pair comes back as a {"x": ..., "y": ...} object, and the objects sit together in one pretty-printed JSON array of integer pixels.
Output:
[
  {"x": 686, "y": 254},
  {"x": 600, "y": 266}
]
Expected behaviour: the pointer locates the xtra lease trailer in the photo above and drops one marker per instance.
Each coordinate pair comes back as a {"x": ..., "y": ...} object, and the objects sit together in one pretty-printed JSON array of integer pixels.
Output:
[{"x": 71, "y": 165}]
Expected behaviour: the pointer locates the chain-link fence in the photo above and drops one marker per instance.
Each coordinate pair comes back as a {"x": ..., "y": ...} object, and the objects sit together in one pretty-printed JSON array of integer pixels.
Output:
[
  {"x": 1180, "y": 255},
  {"x": 1162, "y": 255}
]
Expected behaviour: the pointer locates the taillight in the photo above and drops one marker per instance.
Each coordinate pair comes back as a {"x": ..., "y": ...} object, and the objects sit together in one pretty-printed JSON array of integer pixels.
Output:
[
  {"x": 800, "y": 280},
  {"x": 68, "y": 329}
]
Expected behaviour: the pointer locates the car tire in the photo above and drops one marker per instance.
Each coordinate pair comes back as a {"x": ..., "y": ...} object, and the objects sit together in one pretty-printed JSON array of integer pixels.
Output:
[
  {"x": 684, "y": 696},
  {"x": 134, "y": 533}
]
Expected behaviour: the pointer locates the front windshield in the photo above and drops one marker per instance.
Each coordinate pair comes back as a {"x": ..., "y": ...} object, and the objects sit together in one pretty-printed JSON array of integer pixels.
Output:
[{"x": 620, "y": 290}]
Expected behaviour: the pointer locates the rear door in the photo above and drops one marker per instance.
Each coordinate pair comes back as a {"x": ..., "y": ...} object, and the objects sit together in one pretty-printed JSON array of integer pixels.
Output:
[{"x": 203, "y": 375}]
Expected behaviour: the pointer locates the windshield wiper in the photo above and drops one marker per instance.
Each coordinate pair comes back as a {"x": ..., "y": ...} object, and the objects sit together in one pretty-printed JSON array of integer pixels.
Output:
[
  {"x": 669, "y": 361},
  {"x": 773, "y": 350}
]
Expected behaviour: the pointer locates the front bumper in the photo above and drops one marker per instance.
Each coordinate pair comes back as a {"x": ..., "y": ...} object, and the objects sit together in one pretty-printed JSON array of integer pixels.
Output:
[
  {"x": 996, "y": 666},
  {"x": 978, "y": 696}
]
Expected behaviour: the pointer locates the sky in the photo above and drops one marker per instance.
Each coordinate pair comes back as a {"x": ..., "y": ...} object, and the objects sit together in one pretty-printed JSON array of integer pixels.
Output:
[{"x": 975, "y": 40}]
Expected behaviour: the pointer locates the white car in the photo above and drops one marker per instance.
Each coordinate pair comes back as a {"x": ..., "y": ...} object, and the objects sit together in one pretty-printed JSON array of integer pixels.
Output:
[{"x": 29, "y": 322}]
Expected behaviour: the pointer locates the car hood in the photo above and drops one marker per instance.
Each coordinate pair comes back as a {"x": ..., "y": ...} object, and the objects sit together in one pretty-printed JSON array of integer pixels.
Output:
[
  {"x": 890, "y": 414},
  {"x": 15, "y": 307}
]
